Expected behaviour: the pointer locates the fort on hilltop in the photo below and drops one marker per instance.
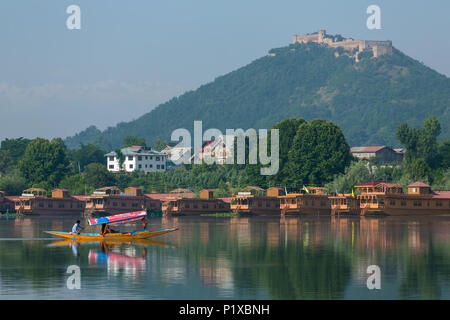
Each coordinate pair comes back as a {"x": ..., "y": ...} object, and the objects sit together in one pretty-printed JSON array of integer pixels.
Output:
[{"x": 378, "y": 48}]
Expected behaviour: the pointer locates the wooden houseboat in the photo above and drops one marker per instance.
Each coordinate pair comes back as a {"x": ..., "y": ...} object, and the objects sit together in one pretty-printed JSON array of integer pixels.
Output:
[
  {"x": 385, "y": 198},
  {"x": 112, "y": 200},
  {"x": 246, "y": 203},
  {"x": 313, "y": 200},
  {"x": 389, "y": 198},
  {"x": 344, "y": 204},
  {"x": 35, "y": 201},
  {"x": 195, "y": 206}
]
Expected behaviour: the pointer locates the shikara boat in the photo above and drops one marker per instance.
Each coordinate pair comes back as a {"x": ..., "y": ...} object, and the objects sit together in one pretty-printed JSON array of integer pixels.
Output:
[{"x": 116, "y": 219}]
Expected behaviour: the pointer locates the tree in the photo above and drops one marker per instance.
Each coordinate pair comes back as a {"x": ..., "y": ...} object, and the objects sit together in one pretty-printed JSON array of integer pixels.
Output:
[
  {"x": 13, "y": 183},
  {"x": 419, "y": 170},
  {"x": 422, "y": 142},
  {"x": 98, "y": 176},
  {"x": 5, "y": 161},
  {"x": 76, "y": 184},
  {"x": 355, "y": 174},
  {"x": 87, "y": 154},
  {"x": 319, "y": 152},
  {"x": 15, "y": 147},
  {"x": 133, "y": 141},
  {"x": 444, "y": 154},
  {"x": 287, "y": 131},
  {"x": 44, "y": 161},
  {"x": 159, "y": 145}
]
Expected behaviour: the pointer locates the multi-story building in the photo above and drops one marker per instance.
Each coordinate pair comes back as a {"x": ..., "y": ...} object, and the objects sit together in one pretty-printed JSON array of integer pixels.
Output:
[
  {"x": 137, "y": 158},
  {"x": 383, "y": 154}
]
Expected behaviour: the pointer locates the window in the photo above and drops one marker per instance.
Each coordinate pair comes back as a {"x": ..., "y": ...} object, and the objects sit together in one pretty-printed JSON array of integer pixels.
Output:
[
  {"x": 124, "y": 204},
  {"x": 130, "y": 158},
  {"x": 139, "y": 158},
  {"x": 135, "y": 204},
  {"x": 146, "y": 157},
  {"x": 50, "y": 205},
  {"x": 195, "y": 206},
  {"x": 111, "y": 166},
  {"x": 392, "y": 202},
  {"x": 205, "y": 206},
  {"x": 157, "y": 158},
  {"x": 403, "y": 203},
  {"x": 157, "y": 166},
  {"x": 438, "y": 204},
  {"x": 114, "y": 204},
  {"x": 111, "y": 158},
  {"x": 140, "y": 166},
  {"x": 131, "y": 166},
  {"x": 41, "y": 204},
  {"x": 151, "y": 166},
  {"x": 61, "y": 205},
  {"x": 162, "y": 166}
]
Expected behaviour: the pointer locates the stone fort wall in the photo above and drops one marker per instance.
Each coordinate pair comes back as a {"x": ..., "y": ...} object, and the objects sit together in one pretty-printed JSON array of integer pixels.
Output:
[{"x": 379, "y": 48}]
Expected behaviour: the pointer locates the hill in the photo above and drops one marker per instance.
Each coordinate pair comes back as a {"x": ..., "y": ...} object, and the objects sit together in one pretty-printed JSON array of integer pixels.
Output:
[{"x": 368, "y": 99}]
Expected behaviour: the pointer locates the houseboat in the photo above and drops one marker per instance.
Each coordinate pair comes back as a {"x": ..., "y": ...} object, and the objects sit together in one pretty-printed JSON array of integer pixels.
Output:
[
  {"x": 389, "y": 198},
  {"x": 195, "y": 206},
  {"x": 344, "y": 204},
  {"x": 111, "y": 200},
  {"x": 385, "y": 198},
  {"x": 246, "y": 203},
  {"x": 35, "y": 201},
  {"x": 312, "y": 200}
]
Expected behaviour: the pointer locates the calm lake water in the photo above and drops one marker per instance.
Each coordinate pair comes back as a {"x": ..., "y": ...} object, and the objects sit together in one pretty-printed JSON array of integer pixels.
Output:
[{"x": 233, "y": 258}]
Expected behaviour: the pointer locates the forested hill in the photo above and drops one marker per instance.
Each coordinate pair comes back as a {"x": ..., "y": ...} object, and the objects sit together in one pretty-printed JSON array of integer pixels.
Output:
[{"x": 367, "y": 99}]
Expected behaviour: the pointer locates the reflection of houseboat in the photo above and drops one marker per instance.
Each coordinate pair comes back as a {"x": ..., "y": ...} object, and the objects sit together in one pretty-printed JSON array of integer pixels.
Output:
[
  {"x": 35, "y": 200},
  {"x": 247, "y": 203},
  {"x": 195, "y": 206},
  {"x": 111, "y": 200},
  {"x": 312, "y": 201},
  {"x": 378, "y": 197}
]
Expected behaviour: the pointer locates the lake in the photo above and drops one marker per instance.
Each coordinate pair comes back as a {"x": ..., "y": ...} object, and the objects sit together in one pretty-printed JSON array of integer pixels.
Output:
[{"x": 232, "y": 258}]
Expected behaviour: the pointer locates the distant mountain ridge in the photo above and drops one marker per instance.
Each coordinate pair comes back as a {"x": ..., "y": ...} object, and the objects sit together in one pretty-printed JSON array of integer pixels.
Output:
[{"x": 367, "y": 99}]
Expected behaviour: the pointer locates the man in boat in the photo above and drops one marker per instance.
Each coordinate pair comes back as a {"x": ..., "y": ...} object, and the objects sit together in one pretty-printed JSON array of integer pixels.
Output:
[
  {"x": 144, "y": 224},
  {"x": 77, "y": 228},
  {"x": 106, "y": 229}
]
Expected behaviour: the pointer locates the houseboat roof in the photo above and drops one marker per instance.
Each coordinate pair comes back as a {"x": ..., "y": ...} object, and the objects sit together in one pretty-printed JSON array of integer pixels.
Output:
[
  {"x": 418, "y": 184},
  {"x": 169, "y": 196},
  {"x": 81, "y": 197},
  {"x": 441, "y": 194},
  {"x": 370, "y": 183}
]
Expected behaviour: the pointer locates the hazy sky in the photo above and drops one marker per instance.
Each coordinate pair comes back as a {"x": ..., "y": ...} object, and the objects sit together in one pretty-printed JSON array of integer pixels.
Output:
[{"x": 129, "y": 56}]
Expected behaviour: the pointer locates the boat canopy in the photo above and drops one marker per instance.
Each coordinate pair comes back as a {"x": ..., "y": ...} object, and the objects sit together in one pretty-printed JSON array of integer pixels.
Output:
[{"x": 119, "y": 218}]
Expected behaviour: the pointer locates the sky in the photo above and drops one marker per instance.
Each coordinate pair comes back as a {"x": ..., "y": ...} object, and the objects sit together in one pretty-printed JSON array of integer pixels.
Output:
[{"x": 130, "y": 56}]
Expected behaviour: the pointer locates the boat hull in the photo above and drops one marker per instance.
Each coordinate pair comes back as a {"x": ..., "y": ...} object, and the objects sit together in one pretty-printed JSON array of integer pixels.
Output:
[{"x": 111, "y": 236}]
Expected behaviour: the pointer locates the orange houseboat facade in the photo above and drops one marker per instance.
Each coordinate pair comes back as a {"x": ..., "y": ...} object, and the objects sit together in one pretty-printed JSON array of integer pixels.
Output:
[
  {"x": 35, "y": 201},
  {"x": 314, "y": 202},
  {"x": 111, "y": 200},
  {"x": 195, "y": 206},
  {"x": 388, "y": 198},
  {"x": 248, "y": 204}
]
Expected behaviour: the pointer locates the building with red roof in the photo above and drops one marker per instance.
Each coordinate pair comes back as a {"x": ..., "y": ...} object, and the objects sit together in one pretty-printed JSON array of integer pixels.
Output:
[{"x": 383, "y": 154}]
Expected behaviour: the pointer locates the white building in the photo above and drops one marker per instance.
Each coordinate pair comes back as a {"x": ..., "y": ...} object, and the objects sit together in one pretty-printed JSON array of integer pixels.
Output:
[{"x": 138, "y": 158}]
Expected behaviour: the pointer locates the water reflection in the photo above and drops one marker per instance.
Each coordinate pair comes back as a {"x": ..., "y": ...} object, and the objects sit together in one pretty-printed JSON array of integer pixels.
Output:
[{"x": 240, "y": 258}]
